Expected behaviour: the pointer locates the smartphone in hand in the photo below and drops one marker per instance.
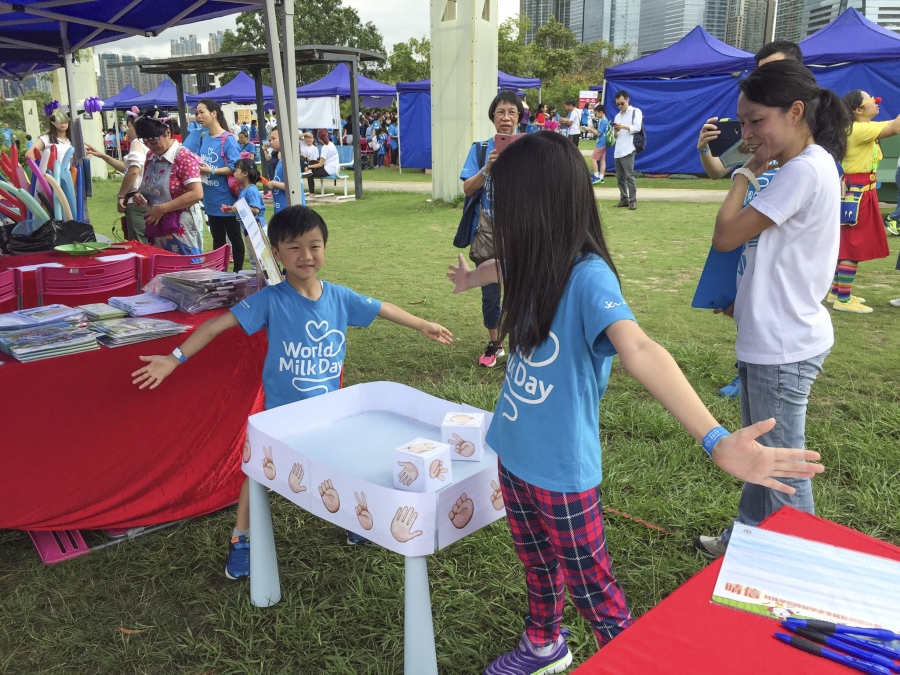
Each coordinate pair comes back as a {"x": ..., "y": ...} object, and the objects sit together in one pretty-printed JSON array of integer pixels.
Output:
[
  {"x": 503, "y": 141},
  {"x": 729, "y": 135}
]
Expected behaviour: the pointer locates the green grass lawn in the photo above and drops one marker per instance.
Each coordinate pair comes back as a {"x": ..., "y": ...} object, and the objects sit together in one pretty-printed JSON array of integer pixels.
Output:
[{"x": 342, "y": 607}]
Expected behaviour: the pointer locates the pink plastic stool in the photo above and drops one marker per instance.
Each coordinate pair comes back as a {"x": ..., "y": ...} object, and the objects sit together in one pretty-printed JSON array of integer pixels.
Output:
[{"x": 59, "y": 545}]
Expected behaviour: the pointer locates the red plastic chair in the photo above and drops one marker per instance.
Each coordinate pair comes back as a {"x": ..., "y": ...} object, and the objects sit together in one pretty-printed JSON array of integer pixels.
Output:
[
  {"x": 11, "y": 287},
  {"x": 96, "y": 283},
  {"x": 167, "y": 262}
]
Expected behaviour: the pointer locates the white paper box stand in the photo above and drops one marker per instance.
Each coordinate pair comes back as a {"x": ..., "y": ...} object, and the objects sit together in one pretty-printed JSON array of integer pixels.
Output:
[
  {"x": 331, "y": 455},
  {"x": 464, "y": 431},
  {"x": 422, "y": 465}
]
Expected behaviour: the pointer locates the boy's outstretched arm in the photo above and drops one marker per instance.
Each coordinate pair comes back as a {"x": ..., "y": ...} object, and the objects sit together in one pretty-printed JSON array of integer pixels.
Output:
[
  {"x": 738, "y": 454},
  {"x": 430, "y": 330},
  {"x": 159, "y": 368}
]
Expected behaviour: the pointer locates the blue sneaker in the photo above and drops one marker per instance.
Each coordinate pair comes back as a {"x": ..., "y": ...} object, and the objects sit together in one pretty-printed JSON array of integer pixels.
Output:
[
  {"x": 525, "y": 660},
  {"x": 732, "y": 390},
  {"x": 355, "y": 539},
  {"x": 237, "y": 564},
  {"x": 595, "y": 180}
]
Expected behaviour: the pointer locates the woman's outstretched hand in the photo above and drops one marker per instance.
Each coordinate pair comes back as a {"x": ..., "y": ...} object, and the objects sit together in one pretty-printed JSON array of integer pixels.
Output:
[{"x": 740, "y": 455}]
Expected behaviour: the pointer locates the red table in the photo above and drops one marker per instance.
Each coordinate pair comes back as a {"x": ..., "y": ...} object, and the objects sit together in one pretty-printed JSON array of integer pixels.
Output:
[
  {"x": 82, "y": 448},
  {"x": 686, "y": 634},
  {"x": 29, "y": 282}
]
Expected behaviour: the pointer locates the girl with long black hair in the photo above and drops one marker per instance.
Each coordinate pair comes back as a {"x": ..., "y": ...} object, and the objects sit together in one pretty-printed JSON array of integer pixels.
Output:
[{"x": 565, "y": 318}]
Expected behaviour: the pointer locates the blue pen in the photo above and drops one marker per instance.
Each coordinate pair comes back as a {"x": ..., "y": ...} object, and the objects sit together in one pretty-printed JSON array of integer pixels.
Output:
[
  {"x": 828, "y": 628},
  {"x": 877, "y": 647},
  {"x": 831, "y": 655},
  {"x": 844, "y": 646}
]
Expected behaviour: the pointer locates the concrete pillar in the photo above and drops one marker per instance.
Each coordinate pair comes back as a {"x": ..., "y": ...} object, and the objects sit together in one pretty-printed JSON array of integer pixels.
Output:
[
  {"x": 463, "y": 84},
  {"x": 32, "y": 118}
]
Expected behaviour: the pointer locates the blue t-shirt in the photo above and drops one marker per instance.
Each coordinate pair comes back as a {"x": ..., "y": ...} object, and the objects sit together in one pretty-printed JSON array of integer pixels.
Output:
[
  {"x": 392, "y": 130},
  {"x": 247, "y": 147},
  {"x": 254, "y": 133},
  {"x": 602, "y": 127},
  {"x": 215, "y": 190},
  {"x": 307, "y": 339},
  {"x": 254, "y": 198},
  {"x": 279, "y": 197},
  {"x": 7, "y": 137},
  {"x": 471, "y": 167},
  {"x": 546, "y": 424}
]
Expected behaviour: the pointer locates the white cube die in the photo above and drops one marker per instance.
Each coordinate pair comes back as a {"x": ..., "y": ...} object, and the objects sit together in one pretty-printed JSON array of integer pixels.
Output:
[
  {"x": 422, "y": 465},
  {"x": 464, "y": 431}
]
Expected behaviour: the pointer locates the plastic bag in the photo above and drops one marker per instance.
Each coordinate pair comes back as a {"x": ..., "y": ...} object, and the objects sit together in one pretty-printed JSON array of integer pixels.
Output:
[{"x": 50, "y": 234}]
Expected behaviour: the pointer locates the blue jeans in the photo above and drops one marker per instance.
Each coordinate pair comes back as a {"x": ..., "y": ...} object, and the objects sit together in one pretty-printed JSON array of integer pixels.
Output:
[
  {"x": 490, "y": 305},
  {"x": 779, "y": 391}
]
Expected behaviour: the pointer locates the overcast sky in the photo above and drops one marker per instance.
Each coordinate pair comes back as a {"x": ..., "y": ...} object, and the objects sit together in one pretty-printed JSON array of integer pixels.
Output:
[{"x": 397, "y": 20}]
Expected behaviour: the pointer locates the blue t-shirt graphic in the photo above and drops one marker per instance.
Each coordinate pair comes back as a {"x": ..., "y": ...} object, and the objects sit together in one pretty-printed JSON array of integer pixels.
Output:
[
  {"x": 750, "y": 247},
  {"x": 215, "y": 188},
  {"x": 470, "y": 168},
  {"x": 307, "y": 339},
  {"x": 546, "y": 423},
  {"x": 279, "y": 197},
  {"x": 254, "y": 198}
]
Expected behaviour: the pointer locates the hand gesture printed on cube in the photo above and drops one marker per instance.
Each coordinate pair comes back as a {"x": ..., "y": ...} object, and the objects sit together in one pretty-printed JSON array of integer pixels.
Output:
[
  {"x": 268, "y": 464},
  {"x": 296, "y": 478},
  {"x": 462, "y": 447},
  {"x": 419, "y": 448},
  {"x": 329, "y": 496},
  {"x": 408, "y": 474},
  {"x": 362, "y": 511},
  {"x": 496, "y": 496},
  {"x": 462, "y": 512},
  {"x": 247, "y": 450},
  {"x": 403, "y": 522},
  {"x": 437, "y": 470}
]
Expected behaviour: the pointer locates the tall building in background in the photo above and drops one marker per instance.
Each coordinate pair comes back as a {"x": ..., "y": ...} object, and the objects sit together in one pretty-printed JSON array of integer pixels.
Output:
[
  {"x": 746, "y": 25},
  {"x": 715, "y": 18},
  {"x": 819, "y": 13},
  {"x": 788, "y": 20},
  {"x": 614, "y": 21},
  {"x": 885, "y": 13},
  {"x": 665, "y": 22},
  {"x": 215, "y": 42},
  {"x": 109, "y": 82},
  {"x": 185, "y": 46}
]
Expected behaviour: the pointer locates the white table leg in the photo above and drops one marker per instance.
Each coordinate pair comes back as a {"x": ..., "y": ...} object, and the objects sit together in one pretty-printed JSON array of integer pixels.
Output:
[
  {"x": 265, "y": 587},
  {"x": 419, "y": 654}
]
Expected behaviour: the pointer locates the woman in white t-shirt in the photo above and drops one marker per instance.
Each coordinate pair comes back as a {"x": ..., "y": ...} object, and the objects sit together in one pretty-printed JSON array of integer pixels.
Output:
[
  {"x": 326, "y": 165},
  {"x": 133, "y": 168},
  {"x": 308, "y": 150},
  {"x": 790, "y": 233},
  {"x": 58, "y": 134}
]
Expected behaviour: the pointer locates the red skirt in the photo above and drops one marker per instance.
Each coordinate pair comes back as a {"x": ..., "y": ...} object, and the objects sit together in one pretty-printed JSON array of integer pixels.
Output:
[{"x": 867, "y": 239}]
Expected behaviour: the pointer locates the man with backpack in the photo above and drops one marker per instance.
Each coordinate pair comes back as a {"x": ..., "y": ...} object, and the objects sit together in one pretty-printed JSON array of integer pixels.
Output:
[
  {"x": 628, "y": 126},
  {"x": 605, "y": 138}
]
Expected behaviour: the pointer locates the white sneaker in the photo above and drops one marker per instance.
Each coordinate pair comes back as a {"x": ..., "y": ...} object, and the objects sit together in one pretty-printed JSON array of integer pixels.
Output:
[
  {"x": 896, "y": 302},
  {"x": 710, "y": 547}
]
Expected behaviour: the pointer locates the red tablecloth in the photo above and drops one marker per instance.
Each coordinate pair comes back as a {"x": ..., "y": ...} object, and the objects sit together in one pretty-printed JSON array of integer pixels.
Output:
[
  {"x": 29, "y": 282},
  {"x": 82, "y": 448},
  {"x": 686, "y": 634}
]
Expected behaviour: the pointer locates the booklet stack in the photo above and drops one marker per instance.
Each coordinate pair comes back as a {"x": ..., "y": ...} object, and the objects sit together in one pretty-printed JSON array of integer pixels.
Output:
[
  {"x": 45, "y": 342},
  {"x": 200, "y": 290},
  {"x": 40, "y": 316},
  {"x": 100, "y": 311},
  {"x": 143, "y": 304},
  {"x": 118, "y": 332}
]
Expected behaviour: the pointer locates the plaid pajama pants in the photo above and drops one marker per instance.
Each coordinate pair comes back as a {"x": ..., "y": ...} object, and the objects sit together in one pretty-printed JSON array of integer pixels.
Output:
[{"x": 559, "y": 538}]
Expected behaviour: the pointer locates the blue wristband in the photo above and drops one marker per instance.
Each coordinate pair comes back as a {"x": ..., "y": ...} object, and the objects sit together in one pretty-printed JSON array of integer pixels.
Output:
[
  {"x": 703, "y": 152},
  {"x": 179, "y": 355},
  {"x": 714, "y": 436}
]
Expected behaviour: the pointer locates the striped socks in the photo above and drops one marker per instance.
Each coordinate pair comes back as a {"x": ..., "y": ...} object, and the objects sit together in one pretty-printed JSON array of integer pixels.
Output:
[{"x": 843, "y": 279}]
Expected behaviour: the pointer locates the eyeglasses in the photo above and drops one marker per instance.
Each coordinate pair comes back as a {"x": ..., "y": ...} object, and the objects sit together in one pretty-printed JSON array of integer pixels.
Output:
[
  {"x": 623, "y": 103},
  {"x": 154, "y": 140},
  {"x": 500, "y": 114}
]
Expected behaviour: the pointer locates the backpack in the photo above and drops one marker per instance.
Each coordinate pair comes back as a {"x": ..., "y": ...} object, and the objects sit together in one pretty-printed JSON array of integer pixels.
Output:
[
  {"x": 609, "y": 136},
  {"x": 640, "y": 138},
  {"x": 465, "y": 231}
]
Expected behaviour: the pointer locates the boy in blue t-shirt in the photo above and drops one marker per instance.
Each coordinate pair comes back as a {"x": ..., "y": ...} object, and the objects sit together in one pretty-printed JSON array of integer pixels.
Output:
[
  {"x": 599, "y": 130},
  {"x": 299, "y": 312}
]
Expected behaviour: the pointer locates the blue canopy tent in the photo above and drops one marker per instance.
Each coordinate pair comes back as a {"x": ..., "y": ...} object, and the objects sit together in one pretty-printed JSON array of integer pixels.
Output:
[
  {"x": 414, "y": 98},
  {"x": 677, "y": 88},
  {"x": 164, "y": 96},
  {"x": 114, "y": 102},
  {"x": 337, "y": 83},
  {"x": 242, "y": 89}
]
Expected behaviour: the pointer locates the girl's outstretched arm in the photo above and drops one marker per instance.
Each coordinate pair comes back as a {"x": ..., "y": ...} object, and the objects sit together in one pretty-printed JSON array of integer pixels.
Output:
[
  {"x": 464, "y": 278},
  {"x": 738, "y": 454}
]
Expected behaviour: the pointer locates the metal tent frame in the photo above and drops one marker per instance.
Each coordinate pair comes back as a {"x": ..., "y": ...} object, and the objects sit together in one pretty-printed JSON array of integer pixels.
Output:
[{"x": 283, "y": 83}]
